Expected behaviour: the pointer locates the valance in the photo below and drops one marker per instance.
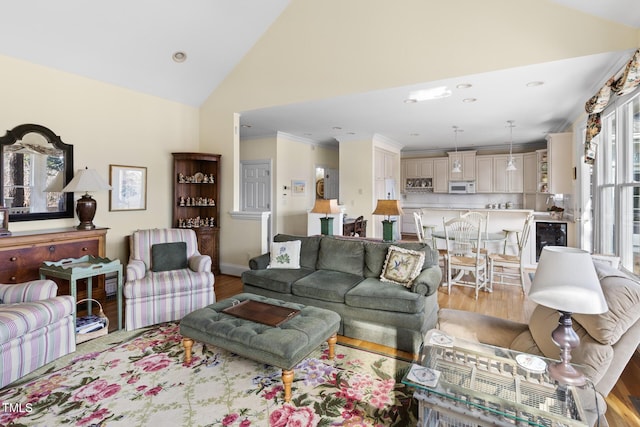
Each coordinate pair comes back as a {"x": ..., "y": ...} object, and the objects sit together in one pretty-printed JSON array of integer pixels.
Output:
[{"x": 622, "y": 83}]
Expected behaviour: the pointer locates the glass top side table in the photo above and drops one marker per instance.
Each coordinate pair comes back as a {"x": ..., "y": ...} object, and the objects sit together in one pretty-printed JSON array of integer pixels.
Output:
[{"x": 464, "y": 383}]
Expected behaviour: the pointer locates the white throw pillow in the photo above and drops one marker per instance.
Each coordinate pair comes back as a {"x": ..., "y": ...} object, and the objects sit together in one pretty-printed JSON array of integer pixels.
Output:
[
  {"x": 285, "y": 254},
  {"x": 402, "y": 266}
]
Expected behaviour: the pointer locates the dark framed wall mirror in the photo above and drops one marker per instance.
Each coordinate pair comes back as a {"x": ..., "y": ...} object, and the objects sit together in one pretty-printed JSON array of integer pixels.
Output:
[{"x": 35, "y": 167}]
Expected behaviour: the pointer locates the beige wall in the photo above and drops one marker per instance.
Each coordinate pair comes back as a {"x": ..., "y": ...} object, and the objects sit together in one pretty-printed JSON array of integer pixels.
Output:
[{"x": 106, "y": 125}]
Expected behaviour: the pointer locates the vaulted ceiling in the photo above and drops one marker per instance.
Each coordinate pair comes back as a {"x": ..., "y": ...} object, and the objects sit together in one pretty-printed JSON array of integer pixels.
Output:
[{"x": 131, "y": 44}]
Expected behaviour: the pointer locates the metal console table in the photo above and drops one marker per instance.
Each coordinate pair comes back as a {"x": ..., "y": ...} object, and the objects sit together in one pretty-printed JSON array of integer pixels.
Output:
[
  {"x": 86, "y": 267},
  {"x": 469, "y": 384}
]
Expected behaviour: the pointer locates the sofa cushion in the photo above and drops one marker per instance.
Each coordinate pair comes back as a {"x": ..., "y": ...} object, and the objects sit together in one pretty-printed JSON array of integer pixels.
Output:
[
  {"x": 168, "y": 256},
  {"x": 622, "y": 293},
  {"x": 373, "y": 294},
  {"x": 346, "y": 256},
  {"x": 402, "y": 266},
  {"x": 285, "y": 254},
  {"x": 375, "y": 254},
  {"x": 325, "y": 285},
  {"x": 274, "y": 279},
  {"x": 309, "y": 248}
]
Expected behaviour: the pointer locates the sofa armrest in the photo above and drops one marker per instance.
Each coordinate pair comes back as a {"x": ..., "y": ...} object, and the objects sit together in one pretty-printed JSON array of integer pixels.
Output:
[
  {"x": 200, "y": 263},
  {"x": 427, "y": 281},
  {"x": 260, "y": 262},
  {"x": 479, "y": 327},
  {"x": 34, "y": 290},
  {"x": 136, "y": 269}
]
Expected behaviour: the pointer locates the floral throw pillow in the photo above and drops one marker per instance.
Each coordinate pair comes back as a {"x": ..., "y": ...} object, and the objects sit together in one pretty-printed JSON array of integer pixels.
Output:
[
  {"x": 285, "y": 254},
  {"x": 402, "y": 266}
]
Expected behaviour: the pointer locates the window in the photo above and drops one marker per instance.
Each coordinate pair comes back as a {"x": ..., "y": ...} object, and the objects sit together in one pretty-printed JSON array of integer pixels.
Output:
[{"x": 617, "y": 182}]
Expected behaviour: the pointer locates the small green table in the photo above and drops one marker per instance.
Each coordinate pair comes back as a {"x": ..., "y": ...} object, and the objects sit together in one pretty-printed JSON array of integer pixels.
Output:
[{"x": 85, "y": 267}]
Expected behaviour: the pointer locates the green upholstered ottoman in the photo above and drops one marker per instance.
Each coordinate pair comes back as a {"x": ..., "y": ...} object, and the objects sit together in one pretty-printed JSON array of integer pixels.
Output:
[{"x": 283, "y": 346}]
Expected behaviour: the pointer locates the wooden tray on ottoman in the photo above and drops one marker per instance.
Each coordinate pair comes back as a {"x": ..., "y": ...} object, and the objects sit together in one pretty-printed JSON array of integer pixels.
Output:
[{"x": 262, "y": 312}]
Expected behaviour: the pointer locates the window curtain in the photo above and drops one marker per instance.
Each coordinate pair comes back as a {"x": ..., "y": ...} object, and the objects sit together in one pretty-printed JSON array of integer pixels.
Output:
[{"x": 622, "y": 83}]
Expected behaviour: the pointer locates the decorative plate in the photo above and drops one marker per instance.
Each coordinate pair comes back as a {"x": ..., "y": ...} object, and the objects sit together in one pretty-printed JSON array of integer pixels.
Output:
[
  {"x": 441, "y": 339},
  {"x": 423, "y": 375},
  {"x": 531, "y": 363},
  {"x": 198, "y": 177}
]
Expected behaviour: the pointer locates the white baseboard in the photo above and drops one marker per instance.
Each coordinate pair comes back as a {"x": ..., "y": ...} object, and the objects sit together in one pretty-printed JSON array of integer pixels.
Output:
[{"x": 233, "y": 269}]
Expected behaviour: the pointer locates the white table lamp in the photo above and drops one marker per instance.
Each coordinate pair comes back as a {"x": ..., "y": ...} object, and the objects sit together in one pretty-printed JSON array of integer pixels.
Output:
[{"x": 566, "y": 280}]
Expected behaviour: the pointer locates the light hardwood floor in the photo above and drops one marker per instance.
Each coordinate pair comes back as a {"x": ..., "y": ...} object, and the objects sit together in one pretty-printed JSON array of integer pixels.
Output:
[{"x": 507, "y": 302}]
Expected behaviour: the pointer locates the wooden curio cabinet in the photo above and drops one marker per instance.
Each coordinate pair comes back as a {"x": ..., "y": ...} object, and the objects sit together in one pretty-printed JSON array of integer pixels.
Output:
[{"x": 196, "y": 192}]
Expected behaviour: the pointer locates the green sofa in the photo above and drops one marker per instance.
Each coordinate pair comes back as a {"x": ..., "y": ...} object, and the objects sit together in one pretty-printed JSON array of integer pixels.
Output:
[{"x": 343, "y": 275}]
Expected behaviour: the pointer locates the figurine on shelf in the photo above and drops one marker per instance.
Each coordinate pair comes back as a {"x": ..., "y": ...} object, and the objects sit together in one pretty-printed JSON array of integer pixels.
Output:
[
  {"x": 205, "y": 179},
  {"x": 181, "y": 200},
  {"x": 212, "y": 179},
  {"x": 181, "y": 178}
]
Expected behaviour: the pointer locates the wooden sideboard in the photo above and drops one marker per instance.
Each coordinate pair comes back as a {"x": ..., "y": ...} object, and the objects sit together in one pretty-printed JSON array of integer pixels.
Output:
[{"x": 22, "y": 253}]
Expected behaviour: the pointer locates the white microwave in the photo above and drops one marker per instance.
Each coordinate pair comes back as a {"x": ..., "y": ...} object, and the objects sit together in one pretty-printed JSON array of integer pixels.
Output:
[{"x": 462, "y": 187}]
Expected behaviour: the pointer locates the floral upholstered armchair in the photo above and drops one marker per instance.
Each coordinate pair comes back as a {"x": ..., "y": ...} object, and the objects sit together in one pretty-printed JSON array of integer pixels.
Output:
[
  {"x": 166, "y": 277},
  {"x": 36, "y": 327}
]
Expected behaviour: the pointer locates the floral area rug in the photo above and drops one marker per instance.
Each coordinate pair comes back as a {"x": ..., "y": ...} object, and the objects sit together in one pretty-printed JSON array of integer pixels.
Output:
[{"x": 144, "y": 382}]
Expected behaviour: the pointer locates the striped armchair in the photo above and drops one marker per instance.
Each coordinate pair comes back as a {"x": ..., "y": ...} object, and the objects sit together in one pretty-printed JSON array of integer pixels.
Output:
[
  {"x": 167, "y": 289},
  {"x": 36, "y": 327}
]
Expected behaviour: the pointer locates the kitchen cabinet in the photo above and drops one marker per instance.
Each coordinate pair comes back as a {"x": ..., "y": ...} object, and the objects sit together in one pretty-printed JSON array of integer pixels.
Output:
[
  {"x": 560, "y": 162},
  {"x": 484, "y": 174},
  {"x": 417, "y": 175},
  {"x": 441, "y": 175},
  {"x": 530, "y": 172},
  {"x": 467, "y": 161},
  {"x": 418, "y": 168},
  {"x": 505, "y": 181}
]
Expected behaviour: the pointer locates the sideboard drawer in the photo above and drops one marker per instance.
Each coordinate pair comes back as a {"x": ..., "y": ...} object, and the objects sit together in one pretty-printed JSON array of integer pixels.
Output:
[{"x": 21, "y": 254}]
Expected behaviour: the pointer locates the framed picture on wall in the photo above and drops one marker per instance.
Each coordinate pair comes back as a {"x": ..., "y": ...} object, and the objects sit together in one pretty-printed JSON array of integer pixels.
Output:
[
  {"x": 128, "y": 188},
  {"x": 298, "y": 187}
]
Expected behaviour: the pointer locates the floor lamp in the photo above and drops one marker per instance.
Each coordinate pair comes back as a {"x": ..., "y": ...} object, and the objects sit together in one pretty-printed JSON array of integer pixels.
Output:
[
  {"x": 566, "y": 280},
  {"x": 326, "y": 206},
  {"x": 86, "y": 180},
  {"x": 388, "y": 208}
]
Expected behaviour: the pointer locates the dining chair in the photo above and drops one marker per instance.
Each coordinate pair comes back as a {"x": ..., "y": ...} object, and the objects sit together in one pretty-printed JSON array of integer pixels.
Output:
[
  {"x": 421, "y": 233},
  {"x": 358, "y": 227},
  {"x": 510, "y": 266},
  {"x": 461, "y": 236}
]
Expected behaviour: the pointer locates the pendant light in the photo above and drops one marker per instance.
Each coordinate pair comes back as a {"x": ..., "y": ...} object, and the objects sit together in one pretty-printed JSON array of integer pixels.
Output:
[
  {"x": 511, "y": 166},
  {"x": 457, "y": 167}
]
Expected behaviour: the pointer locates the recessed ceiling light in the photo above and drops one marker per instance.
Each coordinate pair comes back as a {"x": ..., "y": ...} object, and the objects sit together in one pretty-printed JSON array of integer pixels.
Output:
[
  {"x": 245, "y": 126},
  {"x": 336, "y": 128},
  {"x": 463, "y": 86},
  {"x": 179, "y": 56},
  {"x": 414, "y": 134},
  {"x": 535, "y": 83},
  {"x": 469, "y": 100},
  {"x": 410, "y": 101}
]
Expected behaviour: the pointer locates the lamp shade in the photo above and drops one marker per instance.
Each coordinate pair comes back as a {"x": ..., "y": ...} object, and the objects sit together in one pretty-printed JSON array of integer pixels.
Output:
[
  {"x": 86, "y": 180},
  {"x": 566, "y": 280},
  {"x": 326, "y": 206},
  {"x": 388, "y": 208}
]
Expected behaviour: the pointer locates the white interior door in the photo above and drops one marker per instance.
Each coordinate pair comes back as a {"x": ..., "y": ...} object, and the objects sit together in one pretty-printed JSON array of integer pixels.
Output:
[{"x": 256, "y": 185}]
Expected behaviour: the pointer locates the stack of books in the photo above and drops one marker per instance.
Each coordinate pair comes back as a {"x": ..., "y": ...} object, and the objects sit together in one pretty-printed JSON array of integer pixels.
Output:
[{"x": 90, "y": 323}]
